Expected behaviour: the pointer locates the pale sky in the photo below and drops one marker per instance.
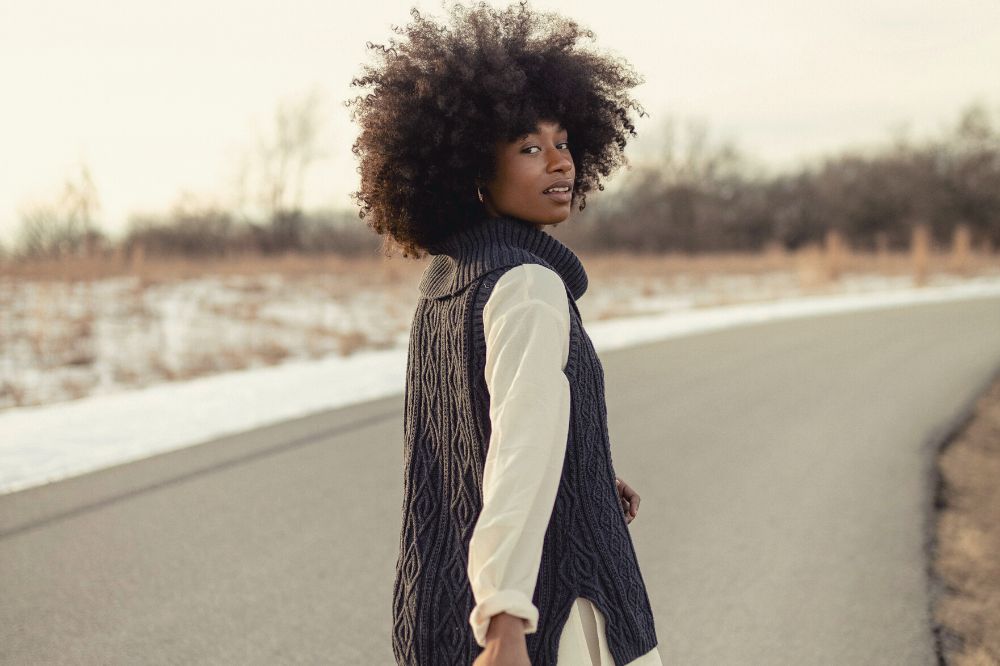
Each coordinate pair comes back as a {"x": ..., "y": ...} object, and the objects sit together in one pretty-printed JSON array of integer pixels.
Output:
[{"x": 160, "y": 98}]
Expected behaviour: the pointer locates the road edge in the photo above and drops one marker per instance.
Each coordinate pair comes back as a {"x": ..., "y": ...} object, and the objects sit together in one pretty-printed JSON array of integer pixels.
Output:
[{"x": 935, "y": 445}]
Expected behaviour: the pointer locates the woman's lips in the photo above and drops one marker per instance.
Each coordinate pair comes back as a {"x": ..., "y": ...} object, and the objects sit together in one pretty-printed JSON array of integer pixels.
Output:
[{"x": 561, "y": 197}]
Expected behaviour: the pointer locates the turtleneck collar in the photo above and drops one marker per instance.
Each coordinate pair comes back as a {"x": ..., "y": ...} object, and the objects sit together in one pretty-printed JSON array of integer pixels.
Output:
[{"x": 493, "y": 243}]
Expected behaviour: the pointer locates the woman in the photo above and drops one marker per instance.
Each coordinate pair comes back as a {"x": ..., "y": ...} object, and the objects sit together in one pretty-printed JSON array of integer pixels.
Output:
[{"x": 514, "y": 546}]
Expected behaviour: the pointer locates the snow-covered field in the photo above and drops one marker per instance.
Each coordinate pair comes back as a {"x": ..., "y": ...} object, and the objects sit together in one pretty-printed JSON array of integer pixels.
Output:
[
  {"x": 100, "y": 373},
  {"x": 64, "y": 340}
]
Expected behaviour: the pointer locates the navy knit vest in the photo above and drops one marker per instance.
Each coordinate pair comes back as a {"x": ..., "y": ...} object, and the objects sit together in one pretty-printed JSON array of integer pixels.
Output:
[{"x": 587, "y": 549}]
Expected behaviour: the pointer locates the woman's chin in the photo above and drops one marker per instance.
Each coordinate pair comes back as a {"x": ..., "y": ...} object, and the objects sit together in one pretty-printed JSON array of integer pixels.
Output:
[
  {"x": 560, "y": 214},
  {"x": 543, "y": 218},
  {"x": 561, "y": 218}
]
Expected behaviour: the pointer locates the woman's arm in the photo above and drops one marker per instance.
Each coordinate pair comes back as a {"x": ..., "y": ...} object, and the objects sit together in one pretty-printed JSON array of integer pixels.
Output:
[{"x": 526, "y": 324}]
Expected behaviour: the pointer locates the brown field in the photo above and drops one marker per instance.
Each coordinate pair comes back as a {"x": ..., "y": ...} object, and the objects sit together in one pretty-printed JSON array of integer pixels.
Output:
[
  {"x": 80, "y": 325},
  {"x": 814, "y": 265}
]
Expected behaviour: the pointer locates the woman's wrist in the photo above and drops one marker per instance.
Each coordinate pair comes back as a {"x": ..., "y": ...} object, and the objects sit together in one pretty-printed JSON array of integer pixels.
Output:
[{"x": 504, "y": 626}]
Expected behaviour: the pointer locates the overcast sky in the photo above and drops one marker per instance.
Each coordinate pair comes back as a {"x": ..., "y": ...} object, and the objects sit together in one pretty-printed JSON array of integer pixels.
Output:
[{"x": 161, "y": 98}]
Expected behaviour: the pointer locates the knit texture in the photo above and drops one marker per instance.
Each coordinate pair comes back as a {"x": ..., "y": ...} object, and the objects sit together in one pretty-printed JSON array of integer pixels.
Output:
[{"x": 587, "y": 549}]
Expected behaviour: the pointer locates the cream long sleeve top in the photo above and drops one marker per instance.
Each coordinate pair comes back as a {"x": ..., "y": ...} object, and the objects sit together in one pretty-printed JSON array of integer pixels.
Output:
[{"x": 526, "y": 323}]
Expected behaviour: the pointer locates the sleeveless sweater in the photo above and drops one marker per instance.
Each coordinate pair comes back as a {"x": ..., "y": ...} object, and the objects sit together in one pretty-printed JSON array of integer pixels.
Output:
[
  {"x": 587, "y": 549},
  {"x": 526, "y": 324}
]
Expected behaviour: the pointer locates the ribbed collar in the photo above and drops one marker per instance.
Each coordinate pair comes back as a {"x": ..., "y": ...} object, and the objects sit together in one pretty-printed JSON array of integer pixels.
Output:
[{"x": 493, "y": 243}]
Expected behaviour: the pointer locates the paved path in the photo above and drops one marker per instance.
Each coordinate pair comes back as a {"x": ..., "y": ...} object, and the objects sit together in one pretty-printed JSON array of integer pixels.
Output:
[{"x": 784, "y": 470}]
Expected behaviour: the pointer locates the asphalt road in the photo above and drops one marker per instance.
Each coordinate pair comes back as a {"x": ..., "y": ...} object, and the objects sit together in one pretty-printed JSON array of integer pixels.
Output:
[{"x": 784, "y": 469}]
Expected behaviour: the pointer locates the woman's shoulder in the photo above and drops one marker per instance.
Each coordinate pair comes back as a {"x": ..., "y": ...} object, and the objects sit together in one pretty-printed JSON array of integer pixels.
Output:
[{"x": 528, "y": 282}]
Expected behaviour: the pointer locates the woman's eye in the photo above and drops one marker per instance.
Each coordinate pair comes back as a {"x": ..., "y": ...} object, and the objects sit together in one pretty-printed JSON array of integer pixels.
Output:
[{"x": 561, "y": 143}]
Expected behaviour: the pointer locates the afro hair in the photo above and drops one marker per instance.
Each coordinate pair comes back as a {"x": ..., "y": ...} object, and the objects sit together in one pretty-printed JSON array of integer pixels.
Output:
[{"x": 441, "y": 97}]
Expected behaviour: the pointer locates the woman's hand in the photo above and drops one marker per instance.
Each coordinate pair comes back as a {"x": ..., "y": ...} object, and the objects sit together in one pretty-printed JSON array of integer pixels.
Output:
[
  {"x": 629, "y": 500},
  {"x": 505, "y": 643}
]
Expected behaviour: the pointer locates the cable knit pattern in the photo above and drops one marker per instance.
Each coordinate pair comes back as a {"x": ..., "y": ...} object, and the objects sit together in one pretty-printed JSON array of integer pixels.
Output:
[{"x": 587, "y": 550}]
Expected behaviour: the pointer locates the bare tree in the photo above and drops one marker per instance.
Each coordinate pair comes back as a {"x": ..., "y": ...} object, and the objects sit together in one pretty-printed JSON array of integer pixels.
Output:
[
  {"x": 273, "y": 175},
  {"x": 688, "y": 155},
  {"x": 67, "y": 226}
]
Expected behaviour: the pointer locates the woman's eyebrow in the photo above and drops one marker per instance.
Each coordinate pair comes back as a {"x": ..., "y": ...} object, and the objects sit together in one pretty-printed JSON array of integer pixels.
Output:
[{"x": 559, "y": 129}]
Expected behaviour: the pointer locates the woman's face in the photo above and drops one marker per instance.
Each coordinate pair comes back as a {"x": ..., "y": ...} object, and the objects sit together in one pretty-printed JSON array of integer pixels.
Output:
[{"x": 525, "y": 169}]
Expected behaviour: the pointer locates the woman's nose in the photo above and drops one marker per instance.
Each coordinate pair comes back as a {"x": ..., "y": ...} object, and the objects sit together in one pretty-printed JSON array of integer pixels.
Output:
[{"x": 558, "y": 161}]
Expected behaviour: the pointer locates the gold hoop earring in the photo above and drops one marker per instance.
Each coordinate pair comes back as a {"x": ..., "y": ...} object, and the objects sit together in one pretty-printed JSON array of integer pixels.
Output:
[{"x": 480, "y": 193}]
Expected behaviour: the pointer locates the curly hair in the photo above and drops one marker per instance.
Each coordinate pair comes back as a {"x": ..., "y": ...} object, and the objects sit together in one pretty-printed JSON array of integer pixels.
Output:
[{"x": 442, "y": 97}]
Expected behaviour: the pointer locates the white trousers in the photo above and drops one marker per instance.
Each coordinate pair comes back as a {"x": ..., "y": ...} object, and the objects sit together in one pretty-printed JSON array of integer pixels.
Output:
[{"x": 584, "y": 642}]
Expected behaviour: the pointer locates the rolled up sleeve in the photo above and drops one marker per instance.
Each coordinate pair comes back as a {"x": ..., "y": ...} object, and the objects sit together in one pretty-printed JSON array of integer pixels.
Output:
[{"x": 526, "y": 324}]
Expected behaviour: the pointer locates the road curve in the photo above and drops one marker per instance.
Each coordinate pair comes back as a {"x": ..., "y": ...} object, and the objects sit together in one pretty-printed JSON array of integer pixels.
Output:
[{"x": 784, "y": 470}]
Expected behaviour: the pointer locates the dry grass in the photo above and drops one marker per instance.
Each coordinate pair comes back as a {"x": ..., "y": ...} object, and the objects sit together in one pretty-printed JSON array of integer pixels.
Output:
[
  {"x": 352, "y": 341},
  {"x": 815, "y": 264},
  {"x": 154, "y": 270},
  {"x": 13, "y": 393},
  {"x": 812, "y": 264},
  {"x": 967, "y": 537},
  {"x": 812, "y": 270}
]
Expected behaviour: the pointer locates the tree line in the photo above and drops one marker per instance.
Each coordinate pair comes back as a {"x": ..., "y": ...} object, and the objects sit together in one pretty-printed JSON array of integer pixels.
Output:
[
  {"x": 680, "y": 194},
  {"x": 697, "y": 197}
]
